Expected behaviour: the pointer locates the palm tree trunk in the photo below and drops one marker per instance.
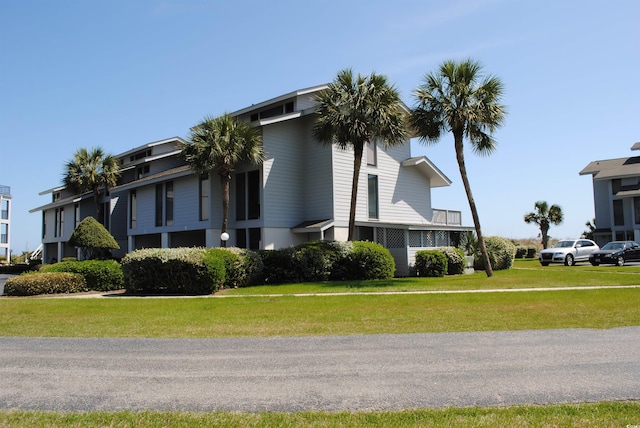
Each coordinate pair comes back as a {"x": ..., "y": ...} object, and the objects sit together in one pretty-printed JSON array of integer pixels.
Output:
[
  {"x": 357, "y": 161},
  {"x": 225, "y": 178},
  {"x": 472, "y": 205}
]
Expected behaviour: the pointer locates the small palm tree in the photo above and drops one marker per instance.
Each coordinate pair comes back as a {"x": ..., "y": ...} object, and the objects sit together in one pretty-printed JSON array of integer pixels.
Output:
[
  {"x": 221, "y": 144},
  {"x": 92, "y": 171},
  {"x": 591, "y": 229},
  {"x": 544, "y": 216},
  {"x": 354, "y": 111},
  {"x": 457, "y": 98}
]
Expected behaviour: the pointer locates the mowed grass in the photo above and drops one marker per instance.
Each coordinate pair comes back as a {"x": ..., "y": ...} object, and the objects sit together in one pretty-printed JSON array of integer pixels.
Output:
[
  {"x": 284, "y": 314},
  {"x": 600, "y": 415}
]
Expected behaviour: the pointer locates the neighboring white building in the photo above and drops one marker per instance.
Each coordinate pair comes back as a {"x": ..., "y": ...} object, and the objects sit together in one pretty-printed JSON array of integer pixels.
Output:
[
  {"x": 5, "y": 223},
  {"x": 301, "y": 193},
  {"x": 616, "y": 195}
]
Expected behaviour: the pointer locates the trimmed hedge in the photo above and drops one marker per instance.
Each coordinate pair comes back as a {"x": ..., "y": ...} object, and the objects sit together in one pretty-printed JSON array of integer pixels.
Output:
[
  {"x": 182, "y": 271},
  {"x": 367, "y": 260},
  {"x": 100, "y": 275},
  {"x": 431, "y": 263},
  {"x": 243, "y": 267},
  {"x": 32, "y": 284},
  {"x": 501, "y": 252}
]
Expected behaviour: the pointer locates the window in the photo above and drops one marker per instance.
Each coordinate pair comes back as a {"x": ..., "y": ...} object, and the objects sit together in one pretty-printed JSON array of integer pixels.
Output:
[
  {"x": 4, "y": 233},
  {"x": 159, "y": 204},
  {"x": 636, "y": 209},
  {"x": 277, "y": 110},
  {"x": 241, "y": 238},
  {"x": 373, "y": 196},
  {"x": 253, "y": 194},
  {"x": 5, "y": 209},
  {"x": 618, "y": 213},
  {"x": 204, "y": 197},
  {"x": 76, "y": 215},
  {"x": 372, "y": 154},
  {"x": 59, "y": 222},
  {"x": 169, "y": 203},
  {"x": 248, "y": 195},
  {"x": 616, "y": 185},
  {"x": 142, "y": 171},
  {"x": 133, "y": 209},
  {"x": 164, "y": 204},
  {"x": 254, "y": 238}
]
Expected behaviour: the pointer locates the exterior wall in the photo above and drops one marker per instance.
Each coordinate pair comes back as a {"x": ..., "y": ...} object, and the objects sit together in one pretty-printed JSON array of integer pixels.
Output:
[{"x": 5, "y": 222}]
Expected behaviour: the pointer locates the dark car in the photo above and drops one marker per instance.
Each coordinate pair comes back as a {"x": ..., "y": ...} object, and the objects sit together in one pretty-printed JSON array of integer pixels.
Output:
[{"x": 617, "y": 253}]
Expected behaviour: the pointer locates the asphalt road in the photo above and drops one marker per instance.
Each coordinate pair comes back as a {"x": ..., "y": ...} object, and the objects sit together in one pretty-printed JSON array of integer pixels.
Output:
[{"x": 321, "y": 373}]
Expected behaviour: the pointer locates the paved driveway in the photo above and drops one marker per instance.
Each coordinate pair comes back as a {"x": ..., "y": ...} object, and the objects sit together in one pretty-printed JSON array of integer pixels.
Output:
[{"x": 327, "y": 373}]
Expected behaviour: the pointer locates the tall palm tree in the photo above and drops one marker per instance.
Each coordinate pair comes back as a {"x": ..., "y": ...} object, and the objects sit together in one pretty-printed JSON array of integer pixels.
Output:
[
  {"x": 544, "y": 216},
  {"x": 457, "y": 98},
  {"x": 94, "y": 171},
  {"x": 354, "y": 111},
  {"x": 221, "y": 144}
]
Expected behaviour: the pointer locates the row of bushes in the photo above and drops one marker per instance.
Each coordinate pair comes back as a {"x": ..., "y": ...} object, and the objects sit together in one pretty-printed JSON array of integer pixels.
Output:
[{"x": 194, "y": 271}]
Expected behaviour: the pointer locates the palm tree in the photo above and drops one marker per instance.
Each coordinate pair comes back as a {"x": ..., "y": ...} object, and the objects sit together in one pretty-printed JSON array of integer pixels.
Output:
[
  {"x": 457, "y": 98},
  {"x": 221, "y": 144},
  {"x": 354, "y": 111},
  {"x": 591, "y": 229},
  {"x": 92, "y": 171},
  {"x": 544, "y": 216}
]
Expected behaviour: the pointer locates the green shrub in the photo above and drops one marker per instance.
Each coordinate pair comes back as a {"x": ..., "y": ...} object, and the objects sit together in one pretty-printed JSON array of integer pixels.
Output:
[
  {"x": 243, "y": 267},
  {"x": 455, "y": 260},
  {"x": 532, "y": 252},
  {"x": 182, "y": 271},
  {"x": 93, "y": 239},
  {"x": 501, "y": 253},
  {"x": 279, "y": 266},
  {"x": 100, "y": 275},
  {"x": 32, "y": 284},
  {"x": 367, "y": 260},
  {"x": 431, "y": 263},
  {"x": 521, "y": 252}
]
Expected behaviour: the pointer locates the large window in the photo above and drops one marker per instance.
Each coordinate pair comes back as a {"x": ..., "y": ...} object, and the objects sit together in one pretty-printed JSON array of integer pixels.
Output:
[
  {"x": 636, "y": 209},
  {"x": 248, "y": 195},
  {"x": 59, "y": 222},
  {"x": 4, "y": 233},
  {"x": 618, "y": 212},
  {"x": 4, "y": 214},
  {"x": 372, "y": 155},
  {"x": 373, "y": 196},
  {"x": 164, "y": 204},
  {"x": 204, "y": 197},
  {"x": 133, "y": 209}
]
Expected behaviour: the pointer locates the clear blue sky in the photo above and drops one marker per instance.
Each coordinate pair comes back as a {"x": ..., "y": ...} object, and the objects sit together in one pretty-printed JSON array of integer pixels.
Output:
[{"x": 118, "y": 74}]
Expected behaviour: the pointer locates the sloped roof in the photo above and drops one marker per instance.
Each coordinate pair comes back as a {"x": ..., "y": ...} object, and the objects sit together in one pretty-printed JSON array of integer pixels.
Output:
[
  {"x": 613, "y": 168},
  {"x": 427, "y": 168}
]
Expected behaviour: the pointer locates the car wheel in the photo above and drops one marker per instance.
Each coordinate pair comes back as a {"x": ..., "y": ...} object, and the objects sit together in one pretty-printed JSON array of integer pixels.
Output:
[
  {"x": 544, "y": 263},
  {"x": 595, "y": 263},
  {"x": 569, "y": 261},
  {"x": 620, "y": 261}
]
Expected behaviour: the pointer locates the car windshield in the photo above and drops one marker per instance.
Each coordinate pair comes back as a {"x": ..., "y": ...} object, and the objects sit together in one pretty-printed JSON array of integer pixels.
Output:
[
  {"x": 614, "y": 246},
  {"x": 564, "y": 244}
]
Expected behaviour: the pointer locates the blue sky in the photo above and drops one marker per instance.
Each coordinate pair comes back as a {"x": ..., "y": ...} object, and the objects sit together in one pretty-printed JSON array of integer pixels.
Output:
[{"x": 118, "y": 74}]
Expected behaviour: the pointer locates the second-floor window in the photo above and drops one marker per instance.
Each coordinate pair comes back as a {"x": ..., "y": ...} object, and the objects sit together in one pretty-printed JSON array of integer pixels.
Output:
[
  {"x": 4, "y": 233},
  {"x": 164, "y": 204},
  {"x": 373, "y": 196},
  {"x": 4, "y": 214},
  {"x": 204, "y": 197},
  {"x": 618, "y": 212},
  {"x": 248, "y": 195},
  {"x": 133, "y": 209},
  {"x": 59, "y": 222}
]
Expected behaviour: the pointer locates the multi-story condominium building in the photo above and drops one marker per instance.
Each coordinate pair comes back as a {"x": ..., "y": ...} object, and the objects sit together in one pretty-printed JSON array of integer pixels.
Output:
[
  {"x": 616, "y": 195},
  {"x": 5, "y": 223},
  {"x": 300, "y": 193}
]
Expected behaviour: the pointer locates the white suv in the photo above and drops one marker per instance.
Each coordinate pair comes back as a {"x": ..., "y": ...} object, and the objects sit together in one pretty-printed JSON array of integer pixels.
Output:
[{"x": 568, "y": 251}]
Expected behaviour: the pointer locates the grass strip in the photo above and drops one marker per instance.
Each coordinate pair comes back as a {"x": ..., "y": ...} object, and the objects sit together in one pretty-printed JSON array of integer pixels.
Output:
[
  {"x": 268, "y": 316},
  {"x": 601, "y": 415}
]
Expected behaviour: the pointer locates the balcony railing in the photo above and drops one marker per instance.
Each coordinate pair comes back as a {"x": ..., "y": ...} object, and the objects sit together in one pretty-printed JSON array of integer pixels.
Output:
[
  {"x": 453, "y": 218},
  {"x": 5, "y": 190}
]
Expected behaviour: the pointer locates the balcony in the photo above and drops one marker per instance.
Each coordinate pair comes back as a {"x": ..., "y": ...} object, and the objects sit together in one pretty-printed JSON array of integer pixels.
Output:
[{"x": 447, "y": 217}]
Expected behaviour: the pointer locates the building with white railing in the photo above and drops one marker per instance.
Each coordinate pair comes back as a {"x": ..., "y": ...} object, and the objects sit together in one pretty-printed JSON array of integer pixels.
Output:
[{"x": 5, "y": 223}]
